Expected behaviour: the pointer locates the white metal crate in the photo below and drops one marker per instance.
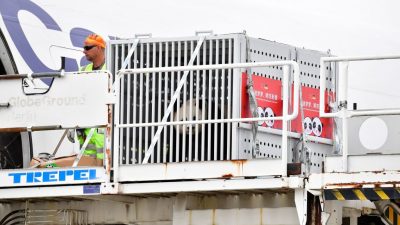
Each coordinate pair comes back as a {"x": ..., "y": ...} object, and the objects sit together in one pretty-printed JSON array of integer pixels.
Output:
[
  {"x": 206, "y": 95},
  {"x": 209, "y": 94}
]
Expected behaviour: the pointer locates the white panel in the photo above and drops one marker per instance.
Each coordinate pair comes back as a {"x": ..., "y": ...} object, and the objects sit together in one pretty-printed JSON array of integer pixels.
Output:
[
  {"x": 203, "y": 185},
  {"x": 385, "y": 135},
  {"x": 196, "y": 170},
  {"x": 245, "y": 216},
  {"x": 360, "y": 163},
  {"x": 60, "y": 105},
  {"x": 354, "y": 179}
]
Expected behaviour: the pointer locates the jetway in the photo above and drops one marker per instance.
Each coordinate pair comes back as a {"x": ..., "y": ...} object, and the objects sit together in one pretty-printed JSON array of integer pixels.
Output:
[{"x": 209, "y": 128}]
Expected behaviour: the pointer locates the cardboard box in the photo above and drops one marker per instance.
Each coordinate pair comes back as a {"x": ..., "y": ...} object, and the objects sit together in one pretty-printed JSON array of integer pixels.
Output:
[{"x": 65, "y": 161}]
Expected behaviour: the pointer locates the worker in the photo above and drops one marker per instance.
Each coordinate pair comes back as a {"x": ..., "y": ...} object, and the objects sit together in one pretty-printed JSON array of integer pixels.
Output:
[{"x": 94, "y": 50}]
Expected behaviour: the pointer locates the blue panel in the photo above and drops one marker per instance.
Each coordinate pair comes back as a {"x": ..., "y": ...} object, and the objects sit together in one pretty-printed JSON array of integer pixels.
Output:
[{"x": 91, "y": 189}]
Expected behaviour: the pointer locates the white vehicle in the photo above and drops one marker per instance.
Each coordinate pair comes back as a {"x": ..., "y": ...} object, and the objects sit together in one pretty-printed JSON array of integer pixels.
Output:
[{"x": 207, "y": 129}]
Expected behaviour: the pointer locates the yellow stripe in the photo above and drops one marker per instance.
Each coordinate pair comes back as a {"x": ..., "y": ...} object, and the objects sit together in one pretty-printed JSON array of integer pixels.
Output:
[
  {"x": 391, "y": 214},
  {"x": 398, "y": 219},
  {"x": 359, "y": 194},
  {"x": 338, "y": 195},
  {"x": 381, "y": 194}
]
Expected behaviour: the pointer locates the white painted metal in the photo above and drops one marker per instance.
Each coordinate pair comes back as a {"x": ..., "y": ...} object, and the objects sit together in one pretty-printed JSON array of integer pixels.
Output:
[
  {"x": 153, "y": 99},
  {"x": 199, "y": 170},
  {"x": 354, "y": 112},
  {"x": 300, "y": 198},
  {"x": 91, "y": 96},
  {"x": 344, "y": 114},
  {"x": 352, "y": 180},
  {"x": 285, "y": 117},
  {"x": 290, "y": 134},
  {"x": 222, "y": 66},
  {"x": 343, "y": 82},
  {"x": 241, "y": 216},
  {"x": 374, "y": 135},
  {"x": 131, "y": 50},
  {"x": 41, "y": 192},
  {"x": 285, "y": 111},
  {"x": 141, "y": 107},
  {"x": 230, "y": 84},
  {"x": 211, "y": 185},
  {"x": 360, "y": 163},
  {"x": 149, "y": 151}
]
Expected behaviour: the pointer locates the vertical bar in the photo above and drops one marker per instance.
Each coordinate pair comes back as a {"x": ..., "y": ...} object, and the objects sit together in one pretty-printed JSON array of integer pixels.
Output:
[
  {"x": 285, "y": 110},
  {"x": 172, "y": 102},
  {"x": 153, "y": 95},
  {"x": 147, "y": 103},
  {"x": 134, "y": 150},
  {"x": 322, "y": 86},
  {"x": 203, "y": 105},
  {"x": 342, "y": 99},
  {"x": 216, "y": 101},
  {"x": 239, "y": 55},
  {"x": 177, "y": 128},
  {"x": 222, "y": 125},
  {"x": 122, "y": 106},
  {"x": 229, "y": 99},
  {"x": 184, "y": 127},
  {"x": 116, "y": 131},
  {"x": 190, "y": 107},
  {"x": 128, "y": 113},
  {"x": 140, "y": 147},
  {"x": 171, "y": 138},
  {"x": 166, "y": 90},
  {"x": 343, "y": 82},
  {"x": 115, "y": 160},
  {"x": 209, "y": 158},
  {"x": 196, "y": 133},
  {"x": 160, "y": 80}
]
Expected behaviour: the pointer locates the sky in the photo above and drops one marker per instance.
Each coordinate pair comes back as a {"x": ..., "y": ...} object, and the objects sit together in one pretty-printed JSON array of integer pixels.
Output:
[{"x": 345, "y": 27}]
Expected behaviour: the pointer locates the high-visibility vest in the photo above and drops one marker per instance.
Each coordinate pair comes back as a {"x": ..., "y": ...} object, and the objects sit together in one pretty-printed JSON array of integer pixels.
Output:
[
  {"x": 89, "y": 67},
  {"x": 95, "y": 147}
]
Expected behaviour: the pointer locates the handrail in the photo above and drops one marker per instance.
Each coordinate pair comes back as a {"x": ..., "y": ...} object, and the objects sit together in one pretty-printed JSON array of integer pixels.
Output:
[
  {"x": 285, "y": 115},
  {"x": 342, "y": 94},
  {"x": 343, "y": 86}
]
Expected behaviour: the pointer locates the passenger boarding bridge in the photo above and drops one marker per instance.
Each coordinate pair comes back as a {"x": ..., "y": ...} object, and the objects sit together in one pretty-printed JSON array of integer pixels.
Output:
[{"x": 209, "y": 115}]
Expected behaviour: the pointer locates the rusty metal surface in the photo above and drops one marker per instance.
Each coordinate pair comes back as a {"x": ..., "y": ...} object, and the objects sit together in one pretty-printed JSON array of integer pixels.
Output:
[
  {"x": 372, "y": 179},
  {"x": 12, "y": 76},
  {"x": 313, "y": 210},
  {"x": 14, "y": 129},
  {"x": 108, "y": 152}
]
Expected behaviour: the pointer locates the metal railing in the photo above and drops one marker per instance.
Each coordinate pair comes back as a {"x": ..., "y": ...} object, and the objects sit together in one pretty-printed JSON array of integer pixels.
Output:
[
  {"x": 342, "y": 95},
  {"x": 160, "y": 125}
]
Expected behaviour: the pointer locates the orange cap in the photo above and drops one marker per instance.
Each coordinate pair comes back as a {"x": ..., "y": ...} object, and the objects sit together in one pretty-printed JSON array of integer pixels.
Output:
[{"x": 94, "y": 39}]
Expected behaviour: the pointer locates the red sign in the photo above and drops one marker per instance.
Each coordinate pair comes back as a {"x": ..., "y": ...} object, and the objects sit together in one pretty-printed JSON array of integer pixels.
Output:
[
  {"x": 268, "y": 97},
  {"x": 269, "y": 101},
  {"x": 313, "y": 124}
]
